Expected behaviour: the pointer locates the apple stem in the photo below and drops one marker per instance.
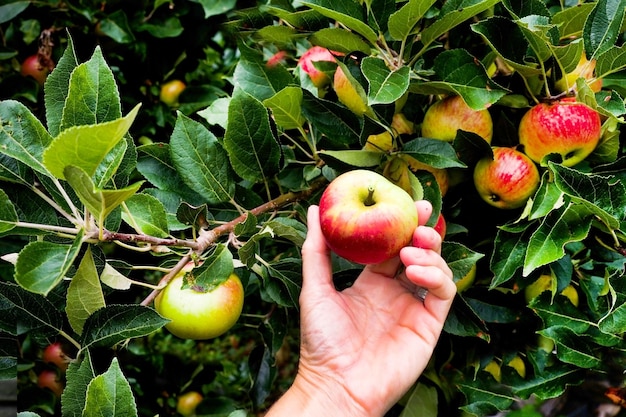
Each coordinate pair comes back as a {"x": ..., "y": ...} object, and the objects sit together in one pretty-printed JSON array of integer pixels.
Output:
[{"x": 369, "y": 200}]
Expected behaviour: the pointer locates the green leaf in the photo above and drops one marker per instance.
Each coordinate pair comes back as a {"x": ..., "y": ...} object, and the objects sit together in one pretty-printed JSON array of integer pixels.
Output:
[
  {"x": 571, "y": 20},
  {"x": 110, "y": 394},
  {"x": 253, "y": 150},
  {"x": 84, "y": 294},
  {"x": 572, "y": 349},
  {"x": 86, "y": 146},
  {"x": 433, "y": 152},
  {"x": 567, "y": 224},
  {"x": 8, "y": 215},
  {"x": 26, "y": 312},
  {"x": 99, "y": 202},
  {"x": 79, "y": 375},
  {"x": 340, "y": 40},
  {"x": 288, "y": 228},
  {"x": 422, "y": 402},
  {"x": 92, "y": 95},
  {"x": 485, "y": 397},
  {"x": 201, "y": 161},
  {"x": 508, "y": 255},
  {"x": 347, "y": 12},
  {"x": 147, "y": 215},
  {"x": 9, "y": 10},
  {"x": 459, "y": 258},
  {"x": 112, "y": 324},
  {"x": 22, "y": 136},
  {"x": 115, "y": 26},
  {"x": 286, "y": 107},
  {"x": 285, "y": 281},
  {"x": 352, "y": 158},
  {"x": 540, "y": 34},
  {"x": 215, "y": 269},
  {"x": 385, "y": 86},
  {"x": 41, "y": 265},
  {"x": 57, "y": 87},
  {"x": 558, "y": 312},
  {"x": 602, "y": 195},
  {"x": 402, "y": 22},
  {"x": 551, "y": 383},
  {"x": 256, "y": 78},
  {"x": 611, "y": 61},
  {"x": 452, "y": 19},
  {"x": 461, "y": 74},
  {"x": 602, "y": 27},
  {"x": 216, "y": 7},
  {"x": 340, "y": 125}
]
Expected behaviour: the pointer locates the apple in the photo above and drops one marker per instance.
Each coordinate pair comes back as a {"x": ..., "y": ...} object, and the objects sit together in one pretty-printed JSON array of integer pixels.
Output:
[
  {"x": 508, "y": 180},
  {"x": 440, "y": 174},
  {"x": 466, "y": 280},
  {"x": 566, "y": 127},
  {"x": 365, "y": 218},
  {"x": 188, "y": 402},
  {"x": 316, "y": 54},
  {"x": 494, "y": 369},
  {"x": 383, "y": 142},
  {"x": 518, "y": 364},
  {"x": 545, "y": 282},
  {"x": 53, "y": 353},
  {"x": 446, "y": 116},
  {"x": 49, "y": 379},
  {"x": 32, "y": 67},
  {"x": 170, "y": 92},
  {"x": 276, "y": 59},
  {"x": 197, "y": 314},
  {"x": 348, "y": 93},
  {"x": 441, "y": 226},
  {"x": 584, "y": 69}
]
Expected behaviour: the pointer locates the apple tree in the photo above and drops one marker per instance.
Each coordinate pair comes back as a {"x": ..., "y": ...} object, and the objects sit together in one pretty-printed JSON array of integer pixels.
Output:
[{"x": 95, "y": 222}]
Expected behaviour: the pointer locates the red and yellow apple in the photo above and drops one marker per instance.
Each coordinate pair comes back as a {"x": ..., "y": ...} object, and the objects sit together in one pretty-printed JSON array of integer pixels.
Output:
[
  {"x": 584, "y": 69},
  {"x": 53, "y": 353},
  {"x": 445, "y": 117},
  {"x": 508, "y": 179},
  {"x": 565, "y": 127},
  {"x": 365, "y": 218},
  {"x": 441, "y": 226},
  {"x": 198, "y": 314},
  {"x": 49, "y": 379},
  {"x": 170, "y": 92},
  {"x": 316, "y": 54},
  {"x": 32, "y": 67}
]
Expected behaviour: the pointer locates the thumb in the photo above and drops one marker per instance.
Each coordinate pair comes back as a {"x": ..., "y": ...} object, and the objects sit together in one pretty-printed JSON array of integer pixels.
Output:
[{"x": 316, "y": 266}]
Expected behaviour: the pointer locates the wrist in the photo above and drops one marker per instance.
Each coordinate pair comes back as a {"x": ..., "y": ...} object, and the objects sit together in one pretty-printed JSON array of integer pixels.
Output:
[{"x": 312, "y": 396}]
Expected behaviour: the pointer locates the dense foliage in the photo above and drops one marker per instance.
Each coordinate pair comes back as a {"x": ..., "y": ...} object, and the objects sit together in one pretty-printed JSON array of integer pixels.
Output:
[{"x": 107, "y": 192}]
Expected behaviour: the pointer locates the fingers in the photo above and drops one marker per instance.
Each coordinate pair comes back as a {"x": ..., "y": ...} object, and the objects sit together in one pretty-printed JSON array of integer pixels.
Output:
[
  {"x": 424, "y": 211},
  {"x": 316, "y": 264}
]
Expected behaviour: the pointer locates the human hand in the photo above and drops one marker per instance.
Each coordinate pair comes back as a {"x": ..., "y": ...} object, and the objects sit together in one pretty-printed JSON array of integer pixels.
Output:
[{"x": 362, "y": 348}]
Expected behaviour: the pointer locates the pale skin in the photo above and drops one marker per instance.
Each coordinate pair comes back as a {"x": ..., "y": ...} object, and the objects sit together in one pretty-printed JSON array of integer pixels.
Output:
[{"x": 362, "y": 348}]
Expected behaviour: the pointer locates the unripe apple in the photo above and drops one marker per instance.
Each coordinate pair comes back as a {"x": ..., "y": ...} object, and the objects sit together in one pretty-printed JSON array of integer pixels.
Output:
[
  {"x": 365, "y": 218},
  {"x": 347, "y": 93},
  {"x": 545, "y": 282},
  {"x": 519, "y": 365},
  {"x": 445, "y": 117},
  {"x": 53, "y": 353},
  {"x": 494, "y": 369},
  {"x": 316, "y": 54},
  {"x": 50, "y": 379},
  {"x": 466, "y": 280},
  {"x": 508, "y": 180},
  {"x": 584, "y": 69},
  {"x": 198, "y": 314},
  {"x": 566, "y": 127},
  {"x": 188, "y": 402},
  {"x": 170, "y": 92},
  {"x": 32, "y": 67}
]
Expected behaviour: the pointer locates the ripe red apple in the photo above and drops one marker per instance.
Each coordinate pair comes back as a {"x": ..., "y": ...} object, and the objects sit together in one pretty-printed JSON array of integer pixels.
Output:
[
  {"x": 316, "y": 54},
  {"x": 53, "y": 353},
  {"x": 365, "y": 218},
  {"x": 584, "y": 69},
  {"x": 170, "y": 92},
  {"x": 441, "y": 226},
  {"x": 33, "y": 68},
  {"x": 508, "y": 180},
  {"x": 197, "y": 314},
  {"x": 445, "y": 117},
  {"x": 348, "y": 95},
  {"x": 566, "y": 127},
  {"x": 188, "y": 402},
  {"x": 50, "y": 379}
]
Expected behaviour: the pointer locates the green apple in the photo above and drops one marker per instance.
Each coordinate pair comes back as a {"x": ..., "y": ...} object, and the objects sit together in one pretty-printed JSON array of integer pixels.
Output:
[
  {"x": 316, "y": 54},
  {"x": 445, "y": 117},
  {"x": 350, "y": 93},
  {"x": 365, "y": 218},
  {"x": 466, "y": 280},
  {"x": 170, "y": 92},
  {"x": 564, "y": 127},
  {"x": 508, "y": 180},
  {"x": 197, "y": 314}
]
